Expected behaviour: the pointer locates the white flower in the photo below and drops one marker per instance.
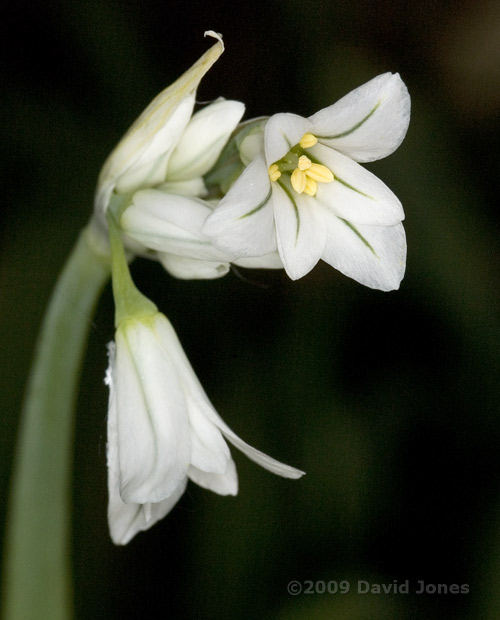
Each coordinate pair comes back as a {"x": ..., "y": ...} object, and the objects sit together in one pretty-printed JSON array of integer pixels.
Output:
[
  {"x": 170, "y": 149},
  {"x": 165, "y": 221},
  {"x": 170, "y": 225},
  {"x": 305, "y": 193},
  {"x": 166, "y": 144},
  {"x": 162, "y": 430}
]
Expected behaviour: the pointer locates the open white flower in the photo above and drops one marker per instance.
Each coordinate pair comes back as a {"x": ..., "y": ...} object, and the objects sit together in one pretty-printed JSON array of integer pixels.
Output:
[
  {"x": 305, "y": 193},
  {"x": 163, "y": 430}
]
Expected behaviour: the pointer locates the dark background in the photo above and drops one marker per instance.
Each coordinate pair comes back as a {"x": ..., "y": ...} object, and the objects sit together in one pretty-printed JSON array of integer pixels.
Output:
[{"x": 387, "y": 400}]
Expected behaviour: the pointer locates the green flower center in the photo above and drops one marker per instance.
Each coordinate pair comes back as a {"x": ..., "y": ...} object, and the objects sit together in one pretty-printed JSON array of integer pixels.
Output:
[{"x": 304, "y": 173}]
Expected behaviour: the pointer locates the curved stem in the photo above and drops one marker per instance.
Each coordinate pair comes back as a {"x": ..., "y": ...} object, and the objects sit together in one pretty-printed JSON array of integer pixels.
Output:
[{"x": 37, "y": 570}]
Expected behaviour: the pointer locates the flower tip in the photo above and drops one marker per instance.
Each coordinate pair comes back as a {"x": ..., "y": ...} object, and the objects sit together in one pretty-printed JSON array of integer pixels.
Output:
[
  {"x": 294, "y": 474},
  {"x": 215, "y": 35}
]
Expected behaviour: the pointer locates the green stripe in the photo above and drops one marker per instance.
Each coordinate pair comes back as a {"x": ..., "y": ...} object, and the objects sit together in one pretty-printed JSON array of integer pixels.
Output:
[
  {"x": 345, "y": 184},
  {"x": 358, "y": 234},
  {"x": 336, "y": 178},
  {"x": 354, "y": 127},
  {"x": 295, "y": 208},
  {"x": 259, "y": 206}
]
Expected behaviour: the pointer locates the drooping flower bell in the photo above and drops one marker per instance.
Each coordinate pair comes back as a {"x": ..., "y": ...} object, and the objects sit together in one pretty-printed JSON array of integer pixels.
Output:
[
  {"x": 163, "y": 430},
  {"x": 305, "y": 193}
]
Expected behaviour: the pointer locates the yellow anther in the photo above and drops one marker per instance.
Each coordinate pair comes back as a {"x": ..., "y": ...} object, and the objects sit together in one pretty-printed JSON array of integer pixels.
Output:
[
  {"x": 299, "y": 180},
  {"x": 306, "y": 175},
  {"x": 311, "y": 187},
  {"x": 320, "y": 173},
  {"x": 304, "y": 163},
  {"x": 274, "y": 172},
  {"x": 308, "y": 140}
]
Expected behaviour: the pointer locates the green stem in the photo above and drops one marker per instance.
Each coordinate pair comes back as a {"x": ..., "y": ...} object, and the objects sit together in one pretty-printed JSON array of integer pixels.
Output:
[
  {"x": 130, "y": 303},
  {"x": 37, "y": 567}
]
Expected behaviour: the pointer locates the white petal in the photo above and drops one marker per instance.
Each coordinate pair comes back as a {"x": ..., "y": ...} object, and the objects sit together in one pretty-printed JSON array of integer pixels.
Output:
[
  {"x": 251, "y": 146},
  {"x": 184, "y": 212},
  {"x": 370, "y": 122},
  {"x": 265, "y": 461},
  {"x": 268, "y": 261},
  {"x": 242, "y": 224},
  {"x": 281, "y": 133},
  {"x": 356, "y": 194},
  {"x": 150, "y": 167},
  {"x": 223, "y": 484},
  {"x": 372, "y": 255},
  {"x": 197, "y": 400},
  {"x": 126, "y": 520},
  {"x": 209, "y": 451},
  {"x": 299, "y": 230},
  {"x": 203, "y": 139},
  {"x": 152, "y": 424},
  {"x": 201, "y": 401},
  {"x": 185, "y": 268},
  {"x": 191, "y": 187},
  {"x": 171, "y": 224}
]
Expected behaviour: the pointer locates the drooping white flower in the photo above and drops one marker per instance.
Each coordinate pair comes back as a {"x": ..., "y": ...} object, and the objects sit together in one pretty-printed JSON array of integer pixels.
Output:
[
  {"x": 163, "y": 430},
  {"x": 305, "y": 193}
]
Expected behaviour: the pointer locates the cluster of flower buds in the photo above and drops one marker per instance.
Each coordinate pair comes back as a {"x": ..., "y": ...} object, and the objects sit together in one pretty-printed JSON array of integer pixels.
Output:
[{"x": 198, "y": 192}]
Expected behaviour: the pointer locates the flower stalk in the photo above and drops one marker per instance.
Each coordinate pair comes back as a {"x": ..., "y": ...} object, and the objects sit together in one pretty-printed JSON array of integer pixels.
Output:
[
  {"x": 129, "y": 301},
  {"x": 37, "y": 582}
]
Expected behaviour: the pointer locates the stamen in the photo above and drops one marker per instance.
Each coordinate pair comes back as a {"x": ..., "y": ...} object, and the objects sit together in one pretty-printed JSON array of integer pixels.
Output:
[
  {"x": 299, "y": 180},
  {"x": 274, "y": 172},
  {"x": 308, "y": 140},
  {"x": 311, "y": 187},
  {"x": 320, "y": 173},
  {"x": 304, "y": 174}
]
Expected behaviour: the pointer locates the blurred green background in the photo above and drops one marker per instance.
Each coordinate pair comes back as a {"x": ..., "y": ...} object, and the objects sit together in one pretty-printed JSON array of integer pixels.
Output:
[{"x": 387, "y": 401}]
